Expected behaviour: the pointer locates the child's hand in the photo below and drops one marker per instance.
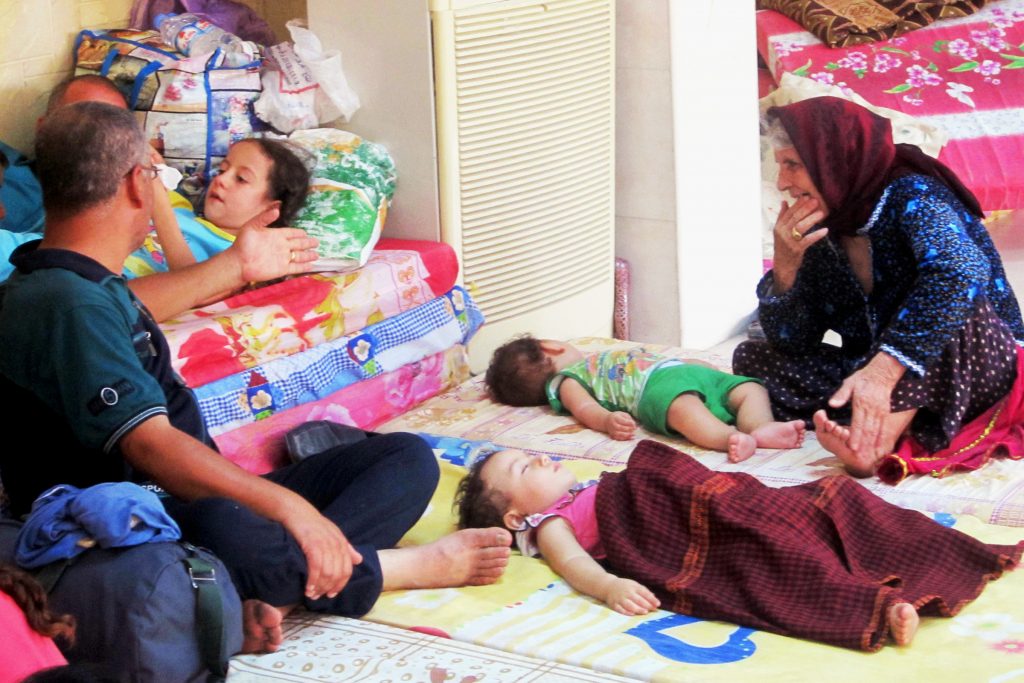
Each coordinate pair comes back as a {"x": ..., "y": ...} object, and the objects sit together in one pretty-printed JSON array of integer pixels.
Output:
[
  {"x": 620, "y": 426},
  {"x": 628, "y": 597}
]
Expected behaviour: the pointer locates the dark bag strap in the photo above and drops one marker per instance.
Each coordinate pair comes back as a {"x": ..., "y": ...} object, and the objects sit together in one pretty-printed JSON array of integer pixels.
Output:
[{"x": 209, "y": 613}]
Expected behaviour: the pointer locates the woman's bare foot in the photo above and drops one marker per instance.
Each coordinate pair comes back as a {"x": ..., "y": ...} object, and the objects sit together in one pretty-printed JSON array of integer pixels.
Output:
[
  {"x": 261, "y": 626},
  {"x": 780, "y": 434},
  {"x": 835, "y": 438},
  {"x": 471, "y": 557},
  {"x": 903, "y": 621},
  {"x": 741, "y": 446}
]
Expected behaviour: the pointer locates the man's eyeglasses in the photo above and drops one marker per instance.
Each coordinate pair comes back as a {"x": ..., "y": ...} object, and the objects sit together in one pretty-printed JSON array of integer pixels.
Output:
[{"x": 151, "y": 171}]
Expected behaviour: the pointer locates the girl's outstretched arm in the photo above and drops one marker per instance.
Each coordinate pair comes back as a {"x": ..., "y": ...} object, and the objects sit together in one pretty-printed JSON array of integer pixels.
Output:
[
  {"x": 558, "y": 545},
  {"x": 578, "y": 401},
  {"x": 172, "y": 242}
]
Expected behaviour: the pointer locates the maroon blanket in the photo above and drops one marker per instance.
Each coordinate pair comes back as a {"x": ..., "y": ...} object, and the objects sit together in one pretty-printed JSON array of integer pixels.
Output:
[{"x": 823, "y": 560}]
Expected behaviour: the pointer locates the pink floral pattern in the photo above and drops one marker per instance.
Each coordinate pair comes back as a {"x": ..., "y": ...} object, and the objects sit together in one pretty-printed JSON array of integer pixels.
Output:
[
  {"x": 1009, "y": 647},
  {"x": 259, "y": 446},
  {"x": 292, "y": 316},
  {"x": 933, "y": 62},
  {"x": 963, "y": 76}
]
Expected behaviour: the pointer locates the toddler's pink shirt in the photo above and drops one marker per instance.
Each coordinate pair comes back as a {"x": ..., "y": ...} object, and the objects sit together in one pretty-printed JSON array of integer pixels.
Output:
[{"x": 578, "y": 508}]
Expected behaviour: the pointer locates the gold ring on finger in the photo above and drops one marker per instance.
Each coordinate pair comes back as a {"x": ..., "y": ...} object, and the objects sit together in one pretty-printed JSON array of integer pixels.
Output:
[{"x": 797, "y": 235}]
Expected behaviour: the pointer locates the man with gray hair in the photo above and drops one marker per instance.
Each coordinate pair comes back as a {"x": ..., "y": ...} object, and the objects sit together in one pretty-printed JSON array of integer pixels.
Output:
[
  {"x": 166, "y": 294},
  {"x": 82, "y": 355}
]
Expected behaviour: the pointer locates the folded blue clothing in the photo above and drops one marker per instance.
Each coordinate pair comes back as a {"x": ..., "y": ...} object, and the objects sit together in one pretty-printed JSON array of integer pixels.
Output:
[{"x": 66, "y": 521}]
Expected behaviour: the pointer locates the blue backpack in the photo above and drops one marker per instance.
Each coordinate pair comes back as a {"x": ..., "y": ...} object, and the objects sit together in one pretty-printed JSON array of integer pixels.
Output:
[{"x": 156, "y": 612}]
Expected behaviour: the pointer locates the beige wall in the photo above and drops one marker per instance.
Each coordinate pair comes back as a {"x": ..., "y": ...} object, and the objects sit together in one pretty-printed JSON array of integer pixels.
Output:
[
  {"x": 687, "y": 171},
  {"x": 645, "y": 205},
  {"x": 35, "y": 49}
]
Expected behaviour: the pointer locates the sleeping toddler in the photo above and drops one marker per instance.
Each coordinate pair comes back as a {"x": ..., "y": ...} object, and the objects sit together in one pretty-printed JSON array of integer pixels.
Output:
[
  {"x": 610, "y": 390},
  {"x": 826, "y": 560}
]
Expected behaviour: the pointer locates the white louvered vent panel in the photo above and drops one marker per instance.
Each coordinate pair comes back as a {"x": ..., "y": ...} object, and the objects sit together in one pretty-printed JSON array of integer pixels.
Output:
[{"x": 534, "y": 129}]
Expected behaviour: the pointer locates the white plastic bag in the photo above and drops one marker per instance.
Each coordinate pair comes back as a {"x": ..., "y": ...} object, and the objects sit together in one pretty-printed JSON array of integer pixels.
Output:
[{"x": 303, "y": 86}]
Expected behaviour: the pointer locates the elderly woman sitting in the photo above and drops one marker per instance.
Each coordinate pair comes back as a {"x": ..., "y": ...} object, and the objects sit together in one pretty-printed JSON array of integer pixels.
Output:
[{"x": 883, "y": 245}]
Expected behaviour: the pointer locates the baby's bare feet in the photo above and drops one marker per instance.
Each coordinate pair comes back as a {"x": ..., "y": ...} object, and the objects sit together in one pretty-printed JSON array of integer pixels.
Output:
[
  {"x": 261, "y": 627},
  {"x": 741, "y": 447},
  {"x": 780, "y": 434},
  {"x": 835, "y": 438},
  {"x": 903, "y": 622}
]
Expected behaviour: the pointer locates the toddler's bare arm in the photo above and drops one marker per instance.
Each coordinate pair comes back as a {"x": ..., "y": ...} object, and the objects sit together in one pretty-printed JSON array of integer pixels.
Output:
[
  {"x": 578, "y": 401},
  {"x": 558, "y": 545}
]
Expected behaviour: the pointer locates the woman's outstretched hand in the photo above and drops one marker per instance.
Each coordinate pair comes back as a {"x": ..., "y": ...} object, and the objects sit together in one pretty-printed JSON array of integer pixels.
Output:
[
  {"x": 869, "y": 390},
  {"x": 793, "y": 237}
]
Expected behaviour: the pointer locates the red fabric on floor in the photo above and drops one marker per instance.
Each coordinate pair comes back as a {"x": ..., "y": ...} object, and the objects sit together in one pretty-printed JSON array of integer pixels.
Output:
[
  {"x": 823, "y": 560},
  {"x": 996, "y": 433}
]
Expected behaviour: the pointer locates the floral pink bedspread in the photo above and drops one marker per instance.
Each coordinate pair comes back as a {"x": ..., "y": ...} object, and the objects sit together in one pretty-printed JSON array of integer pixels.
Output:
[
  {"x": 288, "y": 317},
  {"x": 964, "y": 75}
]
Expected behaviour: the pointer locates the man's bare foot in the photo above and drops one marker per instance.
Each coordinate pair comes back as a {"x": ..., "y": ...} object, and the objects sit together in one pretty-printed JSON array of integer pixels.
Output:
[
  {"x": 261, "y": 627},
  {"x": 470, "y": 557},
  {"x": 741, "y": 446},
  {"x": 903, "y": 621},
  {"x": 835, "y": 438},
  {"x": 780, "y": 434}
]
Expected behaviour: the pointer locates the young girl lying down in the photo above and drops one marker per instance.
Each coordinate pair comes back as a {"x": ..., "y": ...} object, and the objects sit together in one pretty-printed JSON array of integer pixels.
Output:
[
  {"x": 256, "y": 176},
  {"x": 826, "y": 560}
]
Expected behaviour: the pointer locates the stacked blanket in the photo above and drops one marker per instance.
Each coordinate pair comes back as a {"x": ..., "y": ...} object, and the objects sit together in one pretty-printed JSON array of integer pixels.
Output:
[{"x": 344, "y": 343}]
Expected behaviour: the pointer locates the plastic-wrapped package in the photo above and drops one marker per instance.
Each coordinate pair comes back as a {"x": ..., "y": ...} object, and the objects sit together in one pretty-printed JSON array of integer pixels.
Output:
[
  {"x": 304, "y": 86},
  {"x": 352, "y": 185}
]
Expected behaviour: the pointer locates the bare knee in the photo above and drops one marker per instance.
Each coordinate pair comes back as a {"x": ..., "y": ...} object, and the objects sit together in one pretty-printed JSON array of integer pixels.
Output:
[
  {"x": 690, "y": 417},
  {"x": 747, "y": 391},
  {"x": 682, "y": 409}
]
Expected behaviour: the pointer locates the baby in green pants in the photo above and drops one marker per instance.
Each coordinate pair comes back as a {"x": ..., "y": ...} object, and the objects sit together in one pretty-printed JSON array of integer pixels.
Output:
[{"x": 610, "y": 390}]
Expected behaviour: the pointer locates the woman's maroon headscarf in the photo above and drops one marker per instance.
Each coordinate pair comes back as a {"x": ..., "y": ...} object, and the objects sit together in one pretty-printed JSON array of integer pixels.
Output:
[{"x": 849, "y": 153}]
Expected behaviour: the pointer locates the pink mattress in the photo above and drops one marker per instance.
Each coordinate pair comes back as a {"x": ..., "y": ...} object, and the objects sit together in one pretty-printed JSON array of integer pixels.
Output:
[
  {"x": 259, "y": 446},
  {"x": 300, "y": 317},
  {"x": 965, "y": 76}
]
